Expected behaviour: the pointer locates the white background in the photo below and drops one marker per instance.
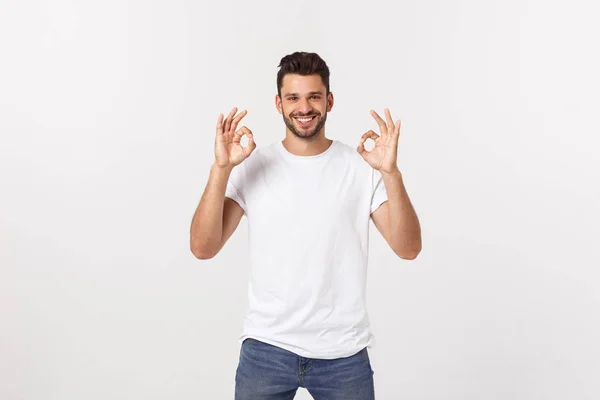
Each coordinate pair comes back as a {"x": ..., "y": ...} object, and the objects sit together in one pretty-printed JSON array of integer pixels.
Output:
[{"x": 107, "y": 116}]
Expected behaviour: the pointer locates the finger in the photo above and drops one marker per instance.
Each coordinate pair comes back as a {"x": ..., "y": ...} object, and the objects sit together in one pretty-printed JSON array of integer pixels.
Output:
[
  {"x": 398, "y": 124},
  {"x": 361, "y": 148},
  {"x": 237, "y": 120},
  {"x": 251, "y": 145},
  {"x": 390, "y": 121},
  {"x": 237, "y": 137},
  {"x": 380, "y": 122},
  {"x": 220, "y": 125},
  {"x": 368, "y": 135},
  {"x": 227, "y": 127}
]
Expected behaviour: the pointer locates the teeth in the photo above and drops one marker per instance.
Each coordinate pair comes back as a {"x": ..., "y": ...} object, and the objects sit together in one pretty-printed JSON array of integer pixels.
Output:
[{"x": 304, "y": 120}]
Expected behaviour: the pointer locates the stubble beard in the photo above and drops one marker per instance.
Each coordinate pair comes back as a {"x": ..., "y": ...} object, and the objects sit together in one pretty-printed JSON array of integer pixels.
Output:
[{"x": 306, "y": 134}]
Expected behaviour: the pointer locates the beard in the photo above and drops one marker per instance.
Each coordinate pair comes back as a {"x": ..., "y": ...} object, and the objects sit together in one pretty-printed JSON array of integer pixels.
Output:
[{"x": 308, "y": 134}]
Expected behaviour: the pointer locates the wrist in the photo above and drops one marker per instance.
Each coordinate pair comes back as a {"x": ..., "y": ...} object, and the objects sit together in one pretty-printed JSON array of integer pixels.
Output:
[
  {"x": 393, "y": 173},
  {"x": 222, "y": 169}
]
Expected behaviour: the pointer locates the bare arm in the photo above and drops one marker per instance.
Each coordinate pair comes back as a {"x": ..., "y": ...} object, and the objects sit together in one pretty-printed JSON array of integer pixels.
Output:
[
  {"x": 396, "y": 219},
  {"x": 217, "y": 217}
]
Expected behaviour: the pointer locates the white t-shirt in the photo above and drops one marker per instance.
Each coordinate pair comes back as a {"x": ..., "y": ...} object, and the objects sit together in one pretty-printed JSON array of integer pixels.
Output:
[{"x": 308, "y": 230}]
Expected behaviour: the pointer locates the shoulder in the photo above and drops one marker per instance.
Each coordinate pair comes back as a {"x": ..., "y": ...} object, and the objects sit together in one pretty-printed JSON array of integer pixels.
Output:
[
  {"x": 258, "y": 160},
  {"x": 346, "y": 150},
  {"x": 263, "y": 155},
  {"x": 355, "y": 165},
  {"x": 352, "y": 158}
]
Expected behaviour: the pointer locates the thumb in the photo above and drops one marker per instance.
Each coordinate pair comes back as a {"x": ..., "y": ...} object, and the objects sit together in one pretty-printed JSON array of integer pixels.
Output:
[
  {"x": 251, "y": 145},
  {"x": 361, "y": 149}
]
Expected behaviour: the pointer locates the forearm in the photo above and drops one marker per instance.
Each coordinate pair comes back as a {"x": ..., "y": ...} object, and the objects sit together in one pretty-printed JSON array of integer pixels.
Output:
[
  {"x": 405, "y": 230},
  {"x": 206, "y": 231}
]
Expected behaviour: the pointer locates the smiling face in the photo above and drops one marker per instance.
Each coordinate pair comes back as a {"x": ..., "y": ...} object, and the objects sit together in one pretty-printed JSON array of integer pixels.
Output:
[{"x": 304, "y": 104}]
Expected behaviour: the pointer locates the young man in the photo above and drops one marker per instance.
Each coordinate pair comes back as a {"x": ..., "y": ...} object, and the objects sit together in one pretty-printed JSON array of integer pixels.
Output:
[{"x": 308, "y": 200}]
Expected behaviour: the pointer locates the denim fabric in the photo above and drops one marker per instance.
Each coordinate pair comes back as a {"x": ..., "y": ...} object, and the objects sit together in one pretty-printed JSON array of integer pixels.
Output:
[{"x": 267, "y": 372}]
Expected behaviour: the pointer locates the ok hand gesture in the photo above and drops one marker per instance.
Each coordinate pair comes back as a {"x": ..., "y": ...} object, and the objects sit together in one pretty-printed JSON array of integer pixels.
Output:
[
  {"x": 383, "y": 157},
  {"x": 228, "y": 149}
]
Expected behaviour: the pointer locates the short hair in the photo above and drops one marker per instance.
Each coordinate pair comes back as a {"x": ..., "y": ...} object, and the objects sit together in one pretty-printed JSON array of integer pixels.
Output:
[{"x": 303, "y": 63}]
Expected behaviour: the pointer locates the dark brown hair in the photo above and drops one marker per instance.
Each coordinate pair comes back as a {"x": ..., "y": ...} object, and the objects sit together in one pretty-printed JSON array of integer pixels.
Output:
[{"x": 303, "y": 63}]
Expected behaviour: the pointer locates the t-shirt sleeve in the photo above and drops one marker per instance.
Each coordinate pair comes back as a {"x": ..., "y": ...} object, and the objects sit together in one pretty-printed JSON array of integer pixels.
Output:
[
  {"x": 235, "y": 186},
  {"x": 379, "y": 194}
]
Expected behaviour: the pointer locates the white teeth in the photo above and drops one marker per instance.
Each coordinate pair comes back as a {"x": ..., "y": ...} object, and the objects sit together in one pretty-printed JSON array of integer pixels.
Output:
[{"x": 304, "y": 120}]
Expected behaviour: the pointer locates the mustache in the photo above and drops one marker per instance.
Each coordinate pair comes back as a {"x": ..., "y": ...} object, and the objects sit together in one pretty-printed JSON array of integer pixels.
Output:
[{"x": 305, "y": 115}]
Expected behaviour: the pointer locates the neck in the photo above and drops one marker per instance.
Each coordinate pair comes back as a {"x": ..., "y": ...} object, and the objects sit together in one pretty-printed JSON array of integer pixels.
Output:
[{"x": 306, "y": 147}]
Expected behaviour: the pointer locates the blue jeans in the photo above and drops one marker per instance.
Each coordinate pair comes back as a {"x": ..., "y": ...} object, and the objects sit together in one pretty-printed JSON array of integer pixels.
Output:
[{"x": 267, "y": 372}]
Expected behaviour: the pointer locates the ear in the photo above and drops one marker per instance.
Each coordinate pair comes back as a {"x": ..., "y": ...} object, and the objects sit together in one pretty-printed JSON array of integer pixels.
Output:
[
  {"x": 330, "y": 101},
  {"x": 278, "y": 103}
]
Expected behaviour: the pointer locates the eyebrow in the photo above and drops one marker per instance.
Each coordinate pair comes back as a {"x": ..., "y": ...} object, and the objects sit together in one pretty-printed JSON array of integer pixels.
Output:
[{"x": 296, "y": 94}]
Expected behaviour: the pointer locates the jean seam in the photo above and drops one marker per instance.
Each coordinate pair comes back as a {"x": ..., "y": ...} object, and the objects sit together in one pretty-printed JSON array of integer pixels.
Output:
[{"x": 300, "y": 371}]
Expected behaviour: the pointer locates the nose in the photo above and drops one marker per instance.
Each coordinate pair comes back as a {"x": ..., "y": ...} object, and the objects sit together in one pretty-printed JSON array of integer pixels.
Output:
[{"x": 304, "y": 106}]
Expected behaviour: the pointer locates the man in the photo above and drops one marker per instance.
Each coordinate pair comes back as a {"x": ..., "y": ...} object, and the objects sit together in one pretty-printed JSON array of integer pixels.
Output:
[{"x": 308, "y": 200}]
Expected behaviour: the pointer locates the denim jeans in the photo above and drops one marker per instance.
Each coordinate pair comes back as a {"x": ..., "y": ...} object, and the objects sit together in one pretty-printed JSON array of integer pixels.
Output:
[{"x": 267, "y": 372}]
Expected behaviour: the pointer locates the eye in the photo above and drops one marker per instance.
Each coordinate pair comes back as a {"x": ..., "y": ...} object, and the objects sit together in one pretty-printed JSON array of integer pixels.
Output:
[
  {"x": 315, "y": 97},
  {"x": 292, "y": 98}
]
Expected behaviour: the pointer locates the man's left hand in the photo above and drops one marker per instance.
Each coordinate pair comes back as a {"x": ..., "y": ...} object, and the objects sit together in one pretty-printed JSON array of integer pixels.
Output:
[{"x": 383, "y": 157}]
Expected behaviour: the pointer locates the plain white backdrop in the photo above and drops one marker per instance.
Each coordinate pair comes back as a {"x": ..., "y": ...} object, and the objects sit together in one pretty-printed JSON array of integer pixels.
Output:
[{"x": 107, "y": 116}]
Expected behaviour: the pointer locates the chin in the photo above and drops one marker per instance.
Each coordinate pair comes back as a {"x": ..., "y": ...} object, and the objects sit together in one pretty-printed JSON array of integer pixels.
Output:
[
  {"x": 306, "y": 134},
  {"x": 299, "y": 132}
]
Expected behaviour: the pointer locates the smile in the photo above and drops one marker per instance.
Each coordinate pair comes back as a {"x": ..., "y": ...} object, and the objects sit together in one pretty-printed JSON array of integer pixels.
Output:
[{"x": 304, "y": 121}]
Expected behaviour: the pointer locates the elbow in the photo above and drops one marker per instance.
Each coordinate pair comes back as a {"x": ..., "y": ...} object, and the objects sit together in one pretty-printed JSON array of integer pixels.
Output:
[
  {"x": 201, "y": 254},
  {"x": 202, "y": 249},
  {"x": 408, "y": 254}
]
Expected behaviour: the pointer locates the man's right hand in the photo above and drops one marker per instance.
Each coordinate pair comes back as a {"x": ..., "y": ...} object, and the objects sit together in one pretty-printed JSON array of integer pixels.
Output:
[{"x": 228, "y": 149}]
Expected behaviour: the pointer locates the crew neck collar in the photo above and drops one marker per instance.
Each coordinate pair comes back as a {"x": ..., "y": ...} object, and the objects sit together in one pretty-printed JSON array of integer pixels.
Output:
[{"x": 295, "y": 157}]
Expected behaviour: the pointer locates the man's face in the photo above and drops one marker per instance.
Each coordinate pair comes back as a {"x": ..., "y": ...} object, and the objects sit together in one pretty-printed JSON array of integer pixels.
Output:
[{"x": 304, "y": 104}]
